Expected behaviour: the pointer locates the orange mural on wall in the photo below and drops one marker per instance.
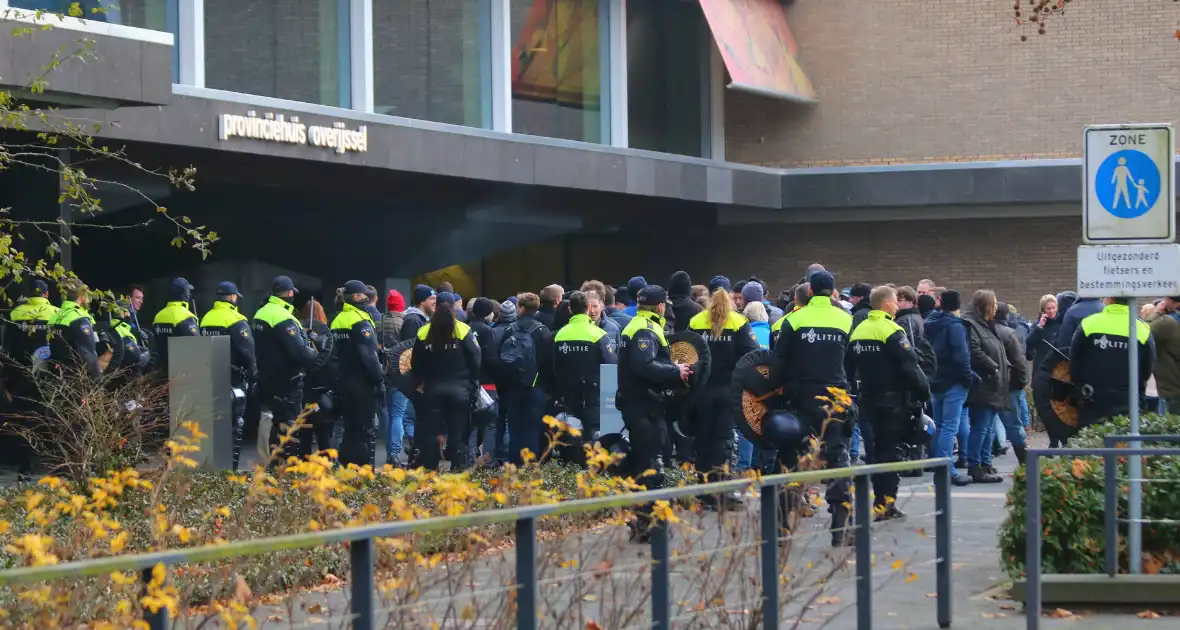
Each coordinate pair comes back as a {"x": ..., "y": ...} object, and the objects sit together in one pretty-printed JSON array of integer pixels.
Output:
[
  {"x": 555, "y": 57},
  {"x": 759, "y": 51}
]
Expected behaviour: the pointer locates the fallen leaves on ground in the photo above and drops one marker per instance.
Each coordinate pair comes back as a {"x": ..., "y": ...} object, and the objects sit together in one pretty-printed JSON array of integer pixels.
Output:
[
  {"x": 932, "y": 595},
  {"x": 1148, "y": 614},
  {"x": 828, "y": 600},
  {"x": 315, "y": 609},
  {"x": 1060, "y": 613},
  {"x": 241, "y": 590}
]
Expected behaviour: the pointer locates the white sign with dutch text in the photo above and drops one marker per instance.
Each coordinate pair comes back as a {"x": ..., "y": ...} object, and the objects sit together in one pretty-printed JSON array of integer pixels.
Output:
[{"x": 1129, "y": 270}]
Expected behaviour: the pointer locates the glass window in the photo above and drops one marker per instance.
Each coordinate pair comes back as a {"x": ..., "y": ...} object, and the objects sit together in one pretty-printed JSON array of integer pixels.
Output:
[
  {"x": 292, "y": 50},
  {"x": 149, "y": 14},
  {"x": 667, "y": 76},
  {"x": 558, "y": 69},
  {"x": 432, "y": 60}
]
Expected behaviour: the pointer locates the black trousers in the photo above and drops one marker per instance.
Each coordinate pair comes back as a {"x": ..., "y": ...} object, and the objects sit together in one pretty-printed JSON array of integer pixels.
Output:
[
  {"x": 648, "y": 433},
  {"x": 357, "y": 401},
  {"x": 890, "y": 425},
  {"x": 713, "y": 420},
  {"x": 25, "y": 406},
  {"x": 238, "y": 411},
  {"x": 582, "y": 402},
  {"x": 835, "y": 434},
  {"x": 285, "y": 405},
  {"x": 447, "y": 414}
]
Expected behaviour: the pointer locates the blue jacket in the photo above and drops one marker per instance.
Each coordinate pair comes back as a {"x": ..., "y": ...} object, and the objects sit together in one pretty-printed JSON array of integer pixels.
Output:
[
  {"x": 761, "y": 332},
  {"x": 948, "y": 337},
  {"x": 1080, "y": 310}
]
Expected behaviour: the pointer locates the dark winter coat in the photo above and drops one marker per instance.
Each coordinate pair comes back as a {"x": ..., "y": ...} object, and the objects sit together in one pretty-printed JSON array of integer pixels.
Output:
[
  {"x": 912, "y": 323},
  {"x": 1080, "y": 310},
  {"x": 860, "y": 312},
  {"x": 990, "y": 361},
  {"x": 947, "y": 334},
  {"x": 1018, "y": 372}
]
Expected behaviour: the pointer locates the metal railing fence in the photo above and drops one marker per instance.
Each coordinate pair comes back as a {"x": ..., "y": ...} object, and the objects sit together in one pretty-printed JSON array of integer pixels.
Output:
[
  {"x": 1034, "y": 534},
  {"x": 361, "y": 543}
]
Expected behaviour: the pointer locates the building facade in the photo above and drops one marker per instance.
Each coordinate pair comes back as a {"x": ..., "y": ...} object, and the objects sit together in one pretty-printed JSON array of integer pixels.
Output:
[{"x": 505, "y": 144}]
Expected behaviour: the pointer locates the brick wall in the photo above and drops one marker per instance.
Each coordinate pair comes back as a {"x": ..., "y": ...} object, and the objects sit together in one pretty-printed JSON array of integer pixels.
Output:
[
  {"x": 1020, "y": 259},
  {"x": 920, "y": 81}
]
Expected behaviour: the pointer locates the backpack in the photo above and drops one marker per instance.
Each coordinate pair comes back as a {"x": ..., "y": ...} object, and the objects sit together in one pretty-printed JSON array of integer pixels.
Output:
[
  {"x": 518, "y": 356},
  {"x": 927, "y": 361}
]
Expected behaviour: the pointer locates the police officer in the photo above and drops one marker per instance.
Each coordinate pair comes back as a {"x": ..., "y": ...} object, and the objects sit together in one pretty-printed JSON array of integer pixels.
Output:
[
  {"x": 174, "y": 320},
  {"x": 646, "y": 370},
  {"x": 26, "y": 343},
  {"x": 224, "y": 320},
  {"x": 446, "y": 363},
  {"x": 1098, "y": 361},
  {"x": 580, "y": 347},
  {"x": 810, "y": 350},
  {"x": 892, "y": 389},
  {"x": 29, "y": 327},
  {"x": 360, "y": 384},
  {"x": 72, "y": 339},
  {"x": 730, "y": 338},
  {"x": 283, "y": 357},
  {"x": 133, "y": 358}
]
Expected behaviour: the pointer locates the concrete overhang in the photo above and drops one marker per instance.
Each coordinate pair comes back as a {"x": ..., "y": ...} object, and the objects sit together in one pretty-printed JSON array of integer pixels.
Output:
[
  {"x": 84, "y": 63},
  {"x": 213, "y": 119}
]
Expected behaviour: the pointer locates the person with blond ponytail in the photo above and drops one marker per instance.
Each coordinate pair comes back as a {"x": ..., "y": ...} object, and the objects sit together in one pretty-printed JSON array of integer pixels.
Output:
[{"x": 730, "y": 338}]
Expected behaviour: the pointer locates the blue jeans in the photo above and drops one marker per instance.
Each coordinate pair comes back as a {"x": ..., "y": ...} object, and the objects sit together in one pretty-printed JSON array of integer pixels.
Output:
[
  {"x": 1011, "y": 423},
  {"x": 1022, "y": 408},
  {"x": 983, "y": 427},
  {"x": 947, "y": 409},
  {"x": 400, "y": 423},
  {"x": 525, "y": 408},
  {"x": 745, "y": 454},
  {"x": 964, "y": 432},
  {"x": 854, "y": 449}
]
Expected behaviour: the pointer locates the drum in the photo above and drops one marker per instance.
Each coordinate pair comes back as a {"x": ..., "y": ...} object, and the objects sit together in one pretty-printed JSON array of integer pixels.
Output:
[
  {"x": 689, "y": 348},
  {"x": 756, "y": 392},
  {"x": 401, "y": 357}
]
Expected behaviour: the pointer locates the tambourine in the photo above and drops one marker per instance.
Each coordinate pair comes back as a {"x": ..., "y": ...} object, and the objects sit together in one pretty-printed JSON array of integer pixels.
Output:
[
  {"x": 689, "y": 348},
  {"x": 756, "y": 391}
]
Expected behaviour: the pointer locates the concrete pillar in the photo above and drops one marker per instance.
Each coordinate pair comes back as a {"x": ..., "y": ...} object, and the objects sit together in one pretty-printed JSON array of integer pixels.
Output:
[{"x": 199, "y": 391}]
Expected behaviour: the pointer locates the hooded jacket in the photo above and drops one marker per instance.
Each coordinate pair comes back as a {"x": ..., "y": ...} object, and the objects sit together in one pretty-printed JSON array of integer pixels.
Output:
[
  {"x": 683, "y": 306},
  {"x": 1080, "y": 310},
  {"x": 1014, "y": 351},
  {"x": 860, "y": 312},
  {"x": 412, "y": 319},
  {"x": 990, "y": 361},
  {"x": 391, "y": 328},
  {"x": 947, "y": 334}
]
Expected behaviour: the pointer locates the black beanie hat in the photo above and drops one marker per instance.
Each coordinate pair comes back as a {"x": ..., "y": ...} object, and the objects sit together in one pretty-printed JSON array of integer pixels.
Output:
[
  {"x": 925, "y": 304},
  {"x": 950, "y": 301},
  {"x": 483, "y": 307}
]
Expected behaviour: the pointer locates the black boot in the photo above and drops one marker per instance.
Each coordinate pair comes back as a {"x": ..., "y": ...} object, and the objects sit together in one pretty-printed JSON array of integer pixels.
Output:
[
  {"x": 1021, "y": 452},
  {"x": 724, "y": 502},
  {"x": 843, "y": 532},
  {"x": 979, "y": 475}
]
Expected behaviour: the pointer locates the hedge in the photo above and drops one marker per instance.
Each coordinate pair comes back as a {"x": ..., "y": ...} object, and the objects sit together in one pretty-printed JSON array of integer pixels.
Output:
[{"x": 1073, "y": 507}]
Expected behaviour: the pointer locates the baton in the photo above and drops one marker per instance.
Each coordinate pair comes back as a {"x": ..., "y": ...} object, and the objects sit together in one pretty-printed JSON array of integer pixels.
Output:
[{"x": 1056, "y": 349}]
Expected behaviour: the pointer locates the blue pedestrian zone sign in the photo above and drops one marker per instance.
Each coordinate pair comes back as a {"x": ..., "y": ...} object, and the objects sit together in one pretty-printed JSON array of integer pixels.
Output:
[
  {"x": 1130, "y": 188},
  {"x": 1127, "y": 184}
]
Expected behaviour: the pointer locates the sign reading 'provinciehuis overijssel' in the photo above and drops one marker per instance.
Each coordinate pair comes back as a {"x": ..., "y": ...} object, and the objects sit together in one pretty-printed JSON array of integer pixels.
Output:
[{"x": 277, "y": 128}]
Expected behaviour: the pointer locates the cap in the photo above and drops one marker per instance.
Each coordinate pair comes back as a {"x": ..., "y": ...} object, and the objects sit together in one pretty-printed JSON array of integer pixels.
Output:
[
  {"x": 354, "y": 286},
  {"x": 482, "y": 307},
  {"x": 370, "y": 291},
  {"x": 635, "y": 285},
  {"x": 228, "y": 288},
  {"x": 282, "y": 283},
  {"x": 422, "y": 293},
  {"x": 752, "y": 292},
  {"x": 949, "y": 300},
  {"x": 446, "y": 298},
  {"x": 652, "y": 295},
  {"x": 180, "y": 289},
  {"x": 821, "y": 281},
  {"x": 846, "y": 292},
  {"x": 718, "y": 282},
  {"x": 395, "y": 302},
  {"x": 861, "y": 290},
  {"x": 507, "y": 311},
  {"x": 40, "y": 286}
]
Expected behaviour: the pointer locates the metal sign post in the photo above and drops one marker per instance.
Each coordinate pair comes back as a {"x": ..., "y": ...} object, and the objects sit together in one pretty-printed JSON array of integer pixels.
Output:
[
  {"x": 1130, "y": 198},
  {"x": 1135, "y": 466}
]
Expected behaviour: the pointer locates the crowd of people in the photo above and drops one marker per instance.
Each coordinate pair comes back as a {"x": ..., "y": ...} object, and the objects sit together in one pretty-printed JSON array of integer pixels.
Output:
[{"x": 470, "y": 383}]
